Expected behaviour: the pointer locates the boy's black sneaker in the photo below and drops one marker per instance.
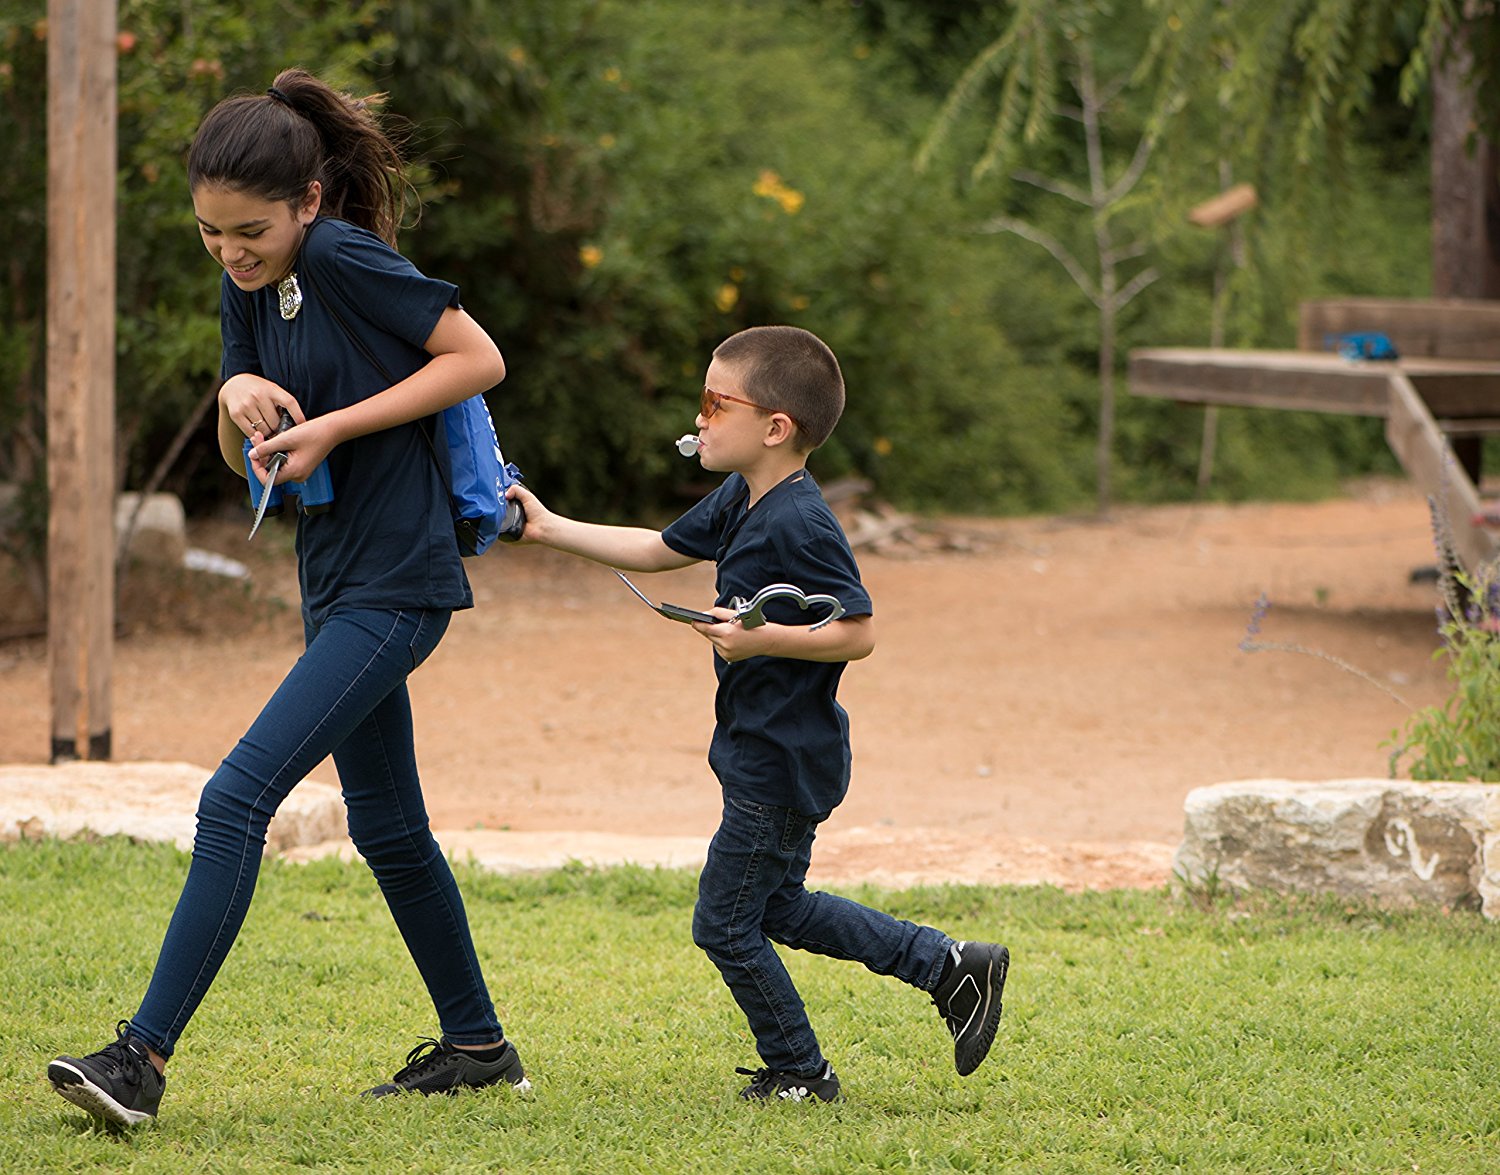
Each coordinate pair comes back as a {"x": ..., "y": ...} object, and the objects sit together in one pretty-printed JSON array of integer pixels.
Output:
[
  {"x": 435, "y": 1066},
  {"x": 969, "y": 1000},
  {"x": 118, "y": 1084},
  {"x": 766, "y": 1084}
]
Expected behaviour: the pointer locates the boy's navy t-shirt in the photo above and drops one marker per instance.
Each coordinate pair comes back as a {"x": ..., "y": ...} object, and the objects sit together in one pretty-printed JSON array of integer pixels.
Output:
[
  {"x": 780, "y": 736},
  {"x": 388, "y": 540}
]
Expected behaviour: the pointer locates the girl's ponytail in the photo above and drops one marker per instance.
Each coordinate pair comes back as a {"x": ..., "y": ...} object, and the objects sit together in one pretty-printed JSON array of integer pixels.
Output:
[{"x": 274, "y": 145}]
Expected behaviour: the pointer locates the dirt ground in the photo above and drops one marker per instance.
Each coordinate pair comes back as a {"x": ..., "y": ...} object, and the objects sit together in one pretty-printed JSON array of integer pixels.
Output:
[{"x": 1044, "y": 692}]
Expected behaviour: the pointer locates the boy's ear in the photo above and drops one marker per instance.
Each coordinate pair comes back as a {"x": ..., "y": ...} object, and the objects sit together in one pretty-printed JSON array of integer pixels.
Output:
[{"x": 780, "y": 429}]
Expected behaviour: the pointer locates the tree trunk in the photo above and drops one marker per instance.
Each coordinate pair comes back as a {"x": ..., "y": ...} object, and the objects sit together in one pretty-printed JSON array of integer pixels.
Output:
[
  {"x": 1465, "y": 187},
  {"x": 1104, "y": 454}
]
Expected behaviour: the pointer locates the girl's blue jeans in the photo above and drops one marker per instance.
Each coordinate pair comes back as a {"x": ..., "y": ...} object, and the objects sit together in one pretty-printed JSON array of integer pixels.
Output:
[
  {"x": 346, "y": 696},
  {"x": 751, "y": 893}
]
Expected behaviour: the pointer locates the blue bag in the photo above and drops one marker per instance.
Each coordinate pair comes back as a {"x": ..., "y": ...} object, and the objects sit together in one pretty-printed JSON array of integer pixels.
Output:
[
  {"x": 477, "y": 477},
  {"x": 468, "y": 457}
]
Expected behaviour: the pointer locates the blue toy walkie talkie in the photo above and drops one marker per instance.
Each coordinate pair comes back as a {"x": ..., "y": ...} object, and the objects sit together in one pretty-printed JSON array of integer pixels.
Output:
[{"x": 313, "y": 496}]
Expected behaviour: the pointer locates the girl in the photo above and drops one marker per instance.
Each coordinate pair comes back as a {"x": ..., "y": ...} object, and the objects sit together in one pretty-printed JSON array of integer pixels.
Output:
[{"x": 298, "y": 195}]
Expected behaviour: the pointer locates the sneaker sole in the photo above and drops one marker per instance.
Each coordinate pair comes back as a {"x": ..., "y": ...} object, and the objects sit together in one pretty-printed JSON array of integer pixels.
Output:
[
  {"x": 969, "y": 1054},
  {"x": 71, "y": 1084}
]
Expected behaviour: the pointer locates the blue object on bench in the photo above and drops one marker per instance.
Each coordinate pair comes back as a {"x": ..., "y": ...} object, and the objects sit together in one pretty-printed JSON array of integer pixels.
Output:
[{"x": 1369, "y": 344}]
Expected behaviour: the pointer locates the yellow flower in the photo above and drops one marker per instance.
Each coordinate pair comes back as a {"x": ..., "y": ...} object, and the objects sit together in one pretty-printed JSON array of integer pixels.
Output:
[
  {"x": 770, "y": 185},
  {"x": 517, "y": 55},
  {"x": 728, "y": 295},
  {"x": 767, "y": 184},
  {"x": 590, "y": 255},
  {"x": 800, "y": 302},
  {"x": 883, "y": 446},
  {"x": 606, "y": 141},
  {"x": 612, "y": 74}
]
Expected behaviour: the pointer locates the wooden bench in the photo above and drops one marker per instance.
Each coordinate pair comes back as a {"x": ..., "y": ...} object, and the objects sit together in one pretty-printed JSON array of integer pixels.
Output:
[{"x": 1448, "y": 371}]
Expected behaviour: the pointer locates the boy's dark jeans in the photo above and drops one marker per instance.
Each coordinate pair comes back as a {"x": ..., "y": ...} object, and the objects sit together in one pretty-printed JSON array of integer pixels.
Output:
[
  {"x": 751, "y": 893},
  {"x": 346, "y": 696}
]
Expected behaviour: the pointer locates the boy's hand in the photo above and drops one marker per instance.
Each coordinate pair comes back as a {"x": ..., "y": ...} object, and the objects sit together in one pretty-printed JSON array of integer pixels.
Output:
[
  {"x": 731, "y": 639},
  {"x": 538, "y": 517}
]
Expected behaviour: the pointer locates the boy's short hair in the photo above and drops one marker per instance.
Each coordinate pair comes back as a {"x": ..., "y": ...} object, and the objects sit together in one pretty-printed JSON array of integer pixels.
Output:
[{"x": 791, "y": 370}]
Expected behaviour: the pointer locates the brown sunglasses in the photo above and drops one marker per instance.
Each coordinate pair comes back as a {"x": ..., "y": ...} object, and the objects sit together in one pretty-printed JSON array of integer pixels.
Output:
[{"x": 712, "y": 401}]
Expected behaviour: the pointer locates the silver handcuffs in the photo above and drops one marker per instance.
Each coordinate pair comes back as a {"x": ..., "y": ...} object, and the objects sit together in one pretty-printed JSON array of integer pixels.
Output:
[{"x": 750, "y": 613}]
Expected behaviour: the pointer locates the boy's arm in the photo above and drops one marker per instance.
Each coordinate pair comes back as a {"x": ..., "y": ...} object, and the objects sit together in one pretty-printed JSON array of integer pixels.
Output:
[
  {"x": 849, "y": 639},
  {"x": 631, "y": 548}
]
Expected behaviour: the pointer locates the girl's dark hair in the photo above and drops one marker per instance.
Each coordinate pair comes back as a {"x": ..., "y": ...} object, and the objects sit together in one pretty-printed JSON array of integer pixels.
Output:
[{"x": 274, "y": 145}]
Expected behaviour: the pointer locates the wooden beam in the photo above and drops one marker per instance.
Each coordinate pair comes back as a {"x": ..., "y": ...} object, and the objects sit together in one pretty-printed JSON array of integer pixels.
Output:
[
  {"x": 1426, "y": 455},
  {"x": 1450, "y": 328},
  {"x": 1260, "y": 379},
  {"x": 1225, "y": 207},
  {"x": 81, "y": 159}
]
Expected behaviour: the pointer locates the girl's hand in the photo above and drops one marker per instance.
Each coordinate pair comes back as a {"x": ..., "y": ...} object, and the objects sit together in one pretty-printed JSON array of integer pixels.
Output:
[
  {"x": 253, "y": 404},
  {"x": 305, "y": 445}
]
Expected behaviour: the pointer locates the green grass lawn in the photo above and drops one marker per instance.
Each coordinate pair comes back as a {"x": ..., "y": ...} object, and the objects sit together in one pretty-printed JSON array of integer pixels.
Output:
[{"x": 1141, "y": 1032}]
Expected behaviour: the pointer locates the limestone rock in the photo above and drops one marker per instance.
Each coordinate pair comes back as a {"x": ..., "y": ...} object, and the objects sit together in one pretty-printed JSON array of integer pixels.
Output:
[
  {"x": 160, "y": 534},
  {"x": 146, "y": 801},
  {"x": 1396, "y": 840}
]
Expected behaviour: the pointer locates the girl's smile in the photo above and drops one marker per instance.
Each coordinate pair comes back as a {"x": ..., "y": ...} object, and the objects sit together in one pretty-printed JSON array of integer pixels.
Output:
[{"x": 255, "y": 240}]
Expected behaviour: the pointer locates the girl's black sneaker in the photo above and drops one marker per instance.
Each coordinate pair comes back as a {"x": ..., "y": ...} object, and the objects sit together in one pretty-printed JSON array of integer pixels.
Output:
[
  {"x": 435, "y": 1066},
  {"x": 118, "y": 1084}
]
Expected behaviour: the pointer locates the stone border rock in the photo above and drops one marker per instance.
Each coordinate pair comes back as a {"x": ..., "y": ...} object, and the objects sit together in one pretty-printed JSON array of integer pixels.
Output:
[
  {"x": 1395, "y": 840},
  {"x": 146, "y": 801},
  {"x": 157, "y": 801}
]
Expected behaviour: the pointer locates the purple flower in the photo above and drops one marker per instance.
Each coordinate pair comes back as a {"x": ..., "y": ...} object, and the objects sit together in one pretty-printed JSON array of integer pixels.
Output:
[{"x": 1252, "y": 630}]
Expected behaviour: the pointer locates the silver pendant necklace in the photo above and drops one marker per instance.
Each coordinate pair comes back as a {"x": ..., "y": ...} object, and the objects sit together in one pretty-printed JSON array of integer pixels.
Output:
[{"x": 289, "y": 295}]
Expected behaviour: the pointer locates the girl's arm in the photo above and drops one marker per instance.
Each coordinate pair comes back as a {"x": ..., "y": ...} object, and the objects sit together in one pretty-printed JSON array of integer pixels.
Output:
[{"x": 465, "y": 362}]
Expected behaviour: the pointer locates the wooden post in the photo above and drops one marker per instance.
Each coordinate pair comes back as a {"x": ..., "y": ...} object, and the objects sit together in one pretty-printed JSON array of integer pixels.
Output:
[
  {"x": 1222, "y": 211},
  {"x": 81, "y": 157}
]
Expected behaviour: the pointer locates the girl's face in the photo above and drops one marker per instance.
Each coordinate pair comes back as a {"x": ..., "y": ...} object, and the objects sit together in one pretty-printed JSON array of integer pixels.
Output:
[{"x": 255, "y": 240}]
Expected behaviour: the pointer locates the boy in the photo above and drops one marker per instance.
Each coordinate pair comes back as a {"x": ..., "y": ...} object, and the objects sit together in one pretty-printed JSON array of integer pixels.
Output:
[{"x": 781, "y": 741}]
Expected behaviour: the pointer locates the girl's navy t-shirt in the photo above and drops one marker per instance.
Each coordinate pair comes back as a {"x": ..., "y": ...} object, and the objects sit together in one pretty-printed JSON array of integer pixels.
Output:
[
  {"x": 780, "y": 735},
  {"x": 388, "y": 540}
]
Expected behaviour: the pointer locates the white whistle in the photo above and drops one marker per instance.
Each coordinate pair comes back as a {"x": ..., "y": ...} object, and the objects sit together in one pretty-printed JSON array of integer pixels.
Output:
[{"x": 689, "y": 445}]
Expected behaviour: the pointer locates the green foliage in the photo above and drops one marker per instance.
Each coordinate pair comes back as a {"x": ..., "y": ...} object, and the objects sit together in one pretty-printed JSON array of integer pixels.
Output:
[
  {"x": 1309, "y": 70},
  {"x": 1142, "y": 1031},
  {"x": 172, "y": 66},
  {"x": 618, "y": 186},
  {"x": 638, "y": 181},
  {"x": 1460, "y": 739}
]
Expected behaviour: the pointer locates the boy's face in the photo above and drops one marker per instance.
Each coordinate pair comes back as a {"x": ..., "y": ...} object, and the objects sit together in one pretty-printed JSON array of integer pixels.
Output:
[{"x": 734, "y": 438}]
